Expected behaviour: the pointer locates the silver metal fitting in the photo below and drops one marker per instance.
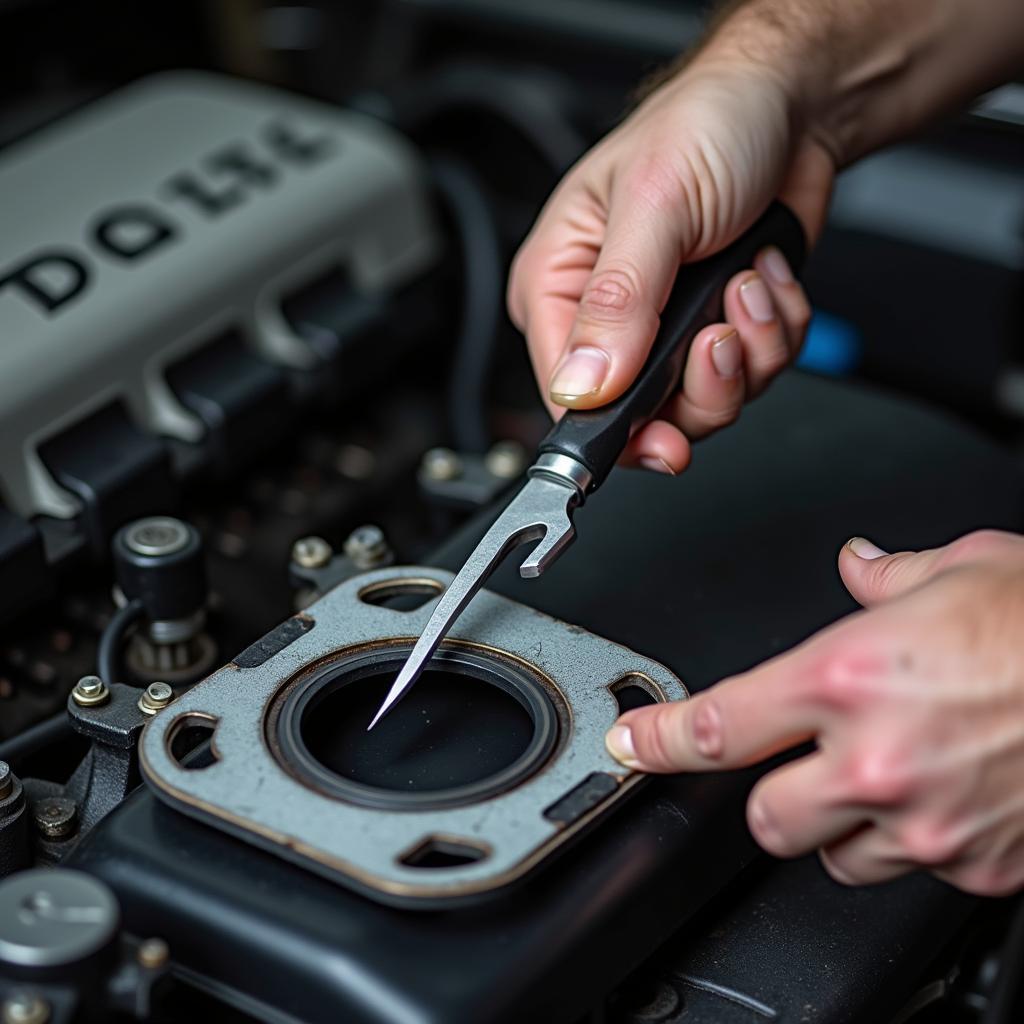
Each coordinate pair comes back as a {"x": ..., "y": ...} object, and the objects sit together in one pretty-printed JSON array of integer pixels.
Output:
[
  {"x": 506, "y": 460},
  {"x": 56, "y": 817},
  {"x": 368, "y": 548},
  {"x": 156, "y": 536},
  {"x": 311, "y": 552},
  {"x": 25, "y": 1008},
  {"x": 90, "y": 691},
  {"x": 6, "y": 780},
  {"x": 441, "y": 464},
  {"x": 564, "y": 469},
  {"x": 153, "y": 954},
  {"x": 155, "y": 698}
]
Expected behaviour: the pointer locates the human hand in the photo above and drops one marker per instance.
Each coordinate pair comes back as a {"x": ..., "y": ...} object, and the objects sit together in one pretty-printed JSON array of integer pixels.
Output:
[
  {"x": 688, "y": 172},
  {"x": 916, "y": 707}
]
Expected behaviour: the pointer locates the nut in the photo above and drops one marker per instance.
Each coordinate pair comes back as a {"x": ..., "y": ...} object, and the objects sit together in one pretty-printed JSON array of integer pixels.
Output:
[
  {"x": 506, "y": 460},
  {"x": 153, "y": 954},
  {"x": 56, "y": 817},
  {"x": 155, "y": 698},
  {"x": 6, "y": 780},
  {"x": 368, "y": 547},
  {"x": 311, "y": 552},
  {"x": 90, "y": 691},
  {"x": 441, "y": 464},
  {"x": 24, "y": 1008}
]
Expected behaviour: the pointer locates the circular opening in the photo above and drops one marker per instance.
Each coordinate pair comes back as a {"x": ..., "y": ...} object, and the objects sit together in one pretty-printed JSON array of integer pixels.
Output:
[{"x": 471, "y": 727}]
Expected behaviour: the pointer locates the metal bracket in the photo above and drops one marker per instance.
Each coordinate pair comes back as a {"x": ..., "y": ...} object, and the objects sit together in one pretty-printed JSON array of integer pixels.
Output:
[{"x": 246, "y": 790}]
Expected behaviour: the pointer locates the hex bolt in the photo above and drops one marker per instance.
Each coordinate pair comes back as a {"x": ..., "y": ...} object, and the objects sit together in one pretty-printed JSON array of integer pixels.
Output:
[
  {"x": 153, "y": 954},
  {"x": 6, "y": 780},
  {"x": 25, "y": 1008},
  {"x": 506, "y": 460},
  {"x": 311, "y": 552},
  {"x": 368, "y": 547},
  {"x": 155, "y": 698},
  {"x": 156, "y": 536},
  {"x": 56, "y": 817},
  {"x": 90, "y": 691},
  {"x": 440, "y": 464}
]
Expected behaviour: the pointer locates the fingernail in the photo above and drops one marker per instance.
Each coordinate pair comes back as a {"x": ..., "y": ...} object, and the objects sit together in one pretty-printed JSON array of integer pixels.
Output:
[
  {"x": 707, "y": 731},
  {"x": 776, "y": 266},
  {"x": 582, "y": 373},
  {"x": 757, "y": 300},
  {"x": 865, "y": 549},
  {"x": 619, "y": 741},
  {"x": 727, "y": 355},
  {"x": 656, "y": 464}
]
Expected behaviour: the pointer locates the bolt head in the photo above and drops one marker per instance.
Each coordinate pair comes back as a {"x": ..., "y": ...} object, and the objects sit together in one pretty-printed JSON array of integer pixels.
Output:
[
  {"x": 24, "y": 1008},
  {"x": 506, "y": 460},
  {"x": 155, "y": 698},
  {"x": 153, "y": 954},
  {"x": 56, "y": 817},
  {"x": 311, "y": 552},
  {"x": 368, "y": 547},
  {"x": 156, "y": 536},
  {"x": 90, "y": 691},
  {"x": 441, "y": 464},
  {"x": 6, "y": 780}
]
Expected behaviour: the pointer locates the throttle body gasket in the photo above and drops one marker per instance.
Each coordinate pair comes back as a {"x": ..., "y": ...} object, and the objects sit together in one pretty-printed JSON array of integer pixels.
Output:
[{"x": 263, "y": 783}]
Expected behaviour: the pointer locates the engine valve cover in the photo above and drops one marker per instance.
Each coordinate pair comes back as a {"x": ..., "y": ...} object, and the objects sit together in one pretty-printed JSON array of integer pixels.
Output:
[{"x": 493, "y": 761}]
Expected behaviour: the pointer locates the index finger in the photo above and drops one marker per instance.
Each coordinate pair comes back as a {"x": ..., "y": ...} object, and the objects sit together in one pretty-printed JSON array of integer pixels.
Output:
[{"x": 734, "y": 723}]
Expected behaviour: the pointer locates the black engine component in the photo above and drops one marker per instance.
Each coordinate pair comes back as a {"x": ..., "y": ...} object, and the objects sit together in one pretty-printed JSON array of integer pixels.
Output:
[{"x": 547, "y": 950}]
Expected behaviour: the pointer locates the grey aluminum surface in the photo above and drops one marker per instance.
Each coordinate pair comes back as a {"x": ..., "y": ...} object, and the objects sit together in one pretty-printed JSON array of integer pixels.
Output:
[
  {"x": 250, "y": 794},
  {"x": 259, "y": 193},
  {"x": 52, "y": 917}
]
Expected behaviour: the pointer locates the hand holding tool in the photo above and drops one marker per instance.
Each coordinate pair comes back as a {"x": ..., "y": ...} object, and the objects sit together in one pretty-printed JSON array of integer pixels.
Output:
[{"x": 581, "y": 449}]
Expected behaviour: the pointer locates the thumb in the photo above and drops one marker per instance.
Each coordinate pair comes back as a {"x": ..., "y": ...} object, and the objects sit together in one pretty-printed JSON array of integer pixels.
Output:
[
  {"x": 619, "y": 307},
  {"x": 872, "y": 575}
]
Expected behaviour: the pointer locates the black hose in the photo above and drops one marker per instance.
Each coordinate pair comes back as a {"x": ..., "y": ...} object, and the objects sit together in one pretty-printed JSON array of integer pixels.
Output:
[
  {"x": 483, "y": 300},
  {"x": 112, "y": 639},
  {"x": 32, "y": 740}
]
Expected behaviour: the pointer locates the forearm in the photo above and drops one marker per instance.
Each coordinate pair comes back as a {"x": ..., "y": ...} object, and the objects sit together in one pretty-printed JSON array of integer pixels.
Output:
[{"x": 861, "y": 73}]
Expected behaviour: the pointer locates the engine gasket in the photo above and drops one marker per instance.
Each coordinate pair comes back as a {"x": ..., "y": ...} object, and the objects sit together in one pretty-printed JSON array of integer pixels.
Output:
[{"x": 245, "y": 788}]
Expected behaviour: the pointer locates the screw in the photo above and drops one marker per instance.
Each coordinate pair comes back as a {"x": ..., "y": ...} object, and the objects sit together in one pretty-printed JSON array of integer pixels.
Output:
[
  {"x": 311, "y": 552},
  {"x": 368, "y": 547},
  {"x": 6, "y": 780},
  {"x": 156, "y": 536},
  {"x": 56, "y": 817},
  {"x": 441, "y": 464},
  {"x": 25, "y": 1009},
  {"x": 506, "y": 460},
  {"x": 90, "y": 691},
  {"x": 155, "y": 698},
  {"x": 153, "y": 954}
]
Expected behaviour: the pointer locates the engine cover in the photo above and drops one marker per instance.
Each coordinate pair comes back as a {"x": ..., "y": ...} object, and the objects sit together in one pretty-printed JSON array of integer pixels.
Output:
[{"x": 183, "y": 208}]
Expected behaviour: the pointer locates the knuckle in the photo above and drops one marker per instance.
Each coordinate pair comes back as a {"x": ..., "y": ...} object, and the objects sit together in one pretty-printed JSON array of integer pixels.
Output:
[
  {"x": 929, "y": 842},
  {"x": 611, "y": 294},
  {"x": 881, "y": 775},
  {"x": 657, "y": 743},
  {"x": 772, "y": 358},
  {"x": 652, "y": 181},
  {"x": 841, "y": 680},
  {"x": 980, "y": 544}
]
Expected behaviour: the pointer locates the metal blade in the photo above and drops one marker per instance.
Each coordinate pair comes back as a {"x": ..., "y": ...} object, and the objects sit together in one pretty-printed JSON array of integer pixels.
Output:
[{"x": 540, "y": 511}]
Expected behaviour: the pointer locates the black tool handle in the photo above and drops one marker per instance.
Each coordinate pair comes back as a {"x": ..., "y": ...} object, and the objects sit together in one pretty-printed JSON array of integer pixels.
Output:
[{"x": 596, "y": 437}]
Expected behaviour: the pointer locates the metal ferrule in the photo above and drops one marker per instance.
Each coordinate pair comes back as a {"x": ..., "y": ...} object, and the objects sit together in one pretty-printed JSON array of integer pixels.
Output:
[{"x": 563, "y": 469}]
